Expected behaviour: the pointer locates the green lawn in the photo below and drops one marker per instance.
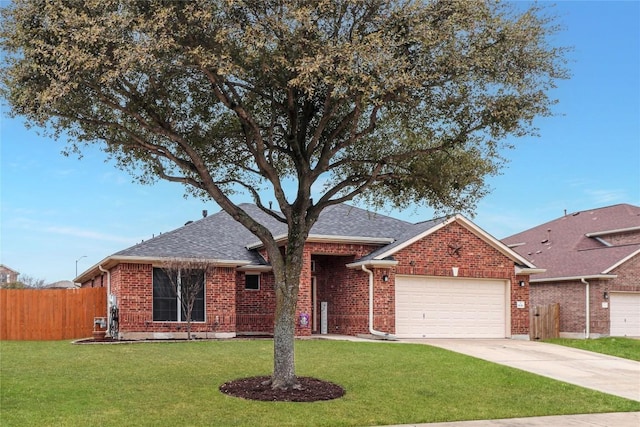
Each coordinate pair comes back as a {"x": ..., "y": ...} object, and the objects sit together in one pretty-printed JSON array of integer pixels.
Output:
[
  {"x": 151, "y": 384},
  {"x": 627, "y": 348}
]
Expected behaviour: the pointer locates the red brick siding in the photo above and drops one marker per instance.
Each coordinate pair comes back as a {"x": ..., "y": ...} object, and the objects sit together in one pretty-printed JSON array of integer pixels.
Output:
[
  {"x": 345, "y": 290},
  {"x": 96, "y": 282},
  {"x": 255, "y": 308},
  {"x": 626, "y": 238},
  {"x": 628, "y": 273},
  {"x": 229, "y": 307},
  {"x": 571, "y": 297},
  {"x": 435, "y": 256},
  {"x": 133, "y": 286},
  {"x": 221, "y": 300},
  {"x": 335, "y": 284}
]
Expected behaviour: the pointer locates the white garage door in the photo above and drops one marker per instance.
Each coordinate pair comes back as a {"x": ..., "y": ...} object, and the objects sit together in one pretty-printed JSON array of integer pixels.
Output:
[
  {"x": 625, "y": 314},
  {"x": 428, "y": 307}
]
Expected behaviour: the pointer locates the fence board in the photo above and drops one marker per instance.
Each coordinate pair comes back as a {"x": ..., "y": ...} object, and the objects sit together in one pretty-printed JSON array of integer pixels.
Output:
[
  {"x": 545, "y": 322},
  {"x": 50, "y": 314}
]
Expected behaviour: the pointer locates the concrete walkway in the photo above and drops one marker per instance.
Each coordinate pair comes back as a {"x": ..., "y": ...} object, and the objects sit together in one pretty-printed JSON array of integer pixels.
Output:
[{"x": 617, "y": 419}]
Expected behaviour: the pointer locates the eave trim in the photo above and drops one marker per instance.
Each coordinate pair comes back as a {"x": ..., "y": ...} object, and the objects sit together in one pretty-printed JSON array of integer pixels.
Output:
[
  {"x": 375, "y": 263},
  {"x": 324, "y": 238},
  {"x": 113, "y": 260},
  {"x": 575, "y": 278}
]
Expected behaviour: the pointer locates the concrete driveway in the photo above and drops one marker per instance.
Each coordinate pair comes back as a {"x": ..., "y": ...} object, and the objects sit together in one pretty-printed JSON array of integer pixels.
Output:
[{"x": 608, "y": 374}]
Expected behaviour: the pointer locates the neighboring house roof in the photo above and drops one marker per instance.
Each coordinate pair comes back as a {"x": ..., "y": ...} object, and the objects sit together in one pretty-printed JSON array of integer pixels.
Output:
[
  {"x": 575, "y": 246},
  {"x": 223, "y": 241},
  {"x": 62, "y": 284}
]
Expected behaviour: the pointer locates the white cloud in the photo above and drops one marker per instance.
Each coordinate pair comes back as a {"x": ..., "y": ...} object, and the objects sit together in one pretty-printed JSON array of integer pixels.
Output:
[
  {"x": 89, "y": 234},
  {"x": 115, "y": 177},
  {"x": 607, "y": 197}
]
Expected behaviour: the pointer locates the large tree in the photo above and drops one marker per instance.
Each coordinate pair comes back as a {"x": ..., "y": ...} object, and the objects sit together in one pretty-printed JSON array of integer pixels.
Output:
[{"x": 386, "y": 102}]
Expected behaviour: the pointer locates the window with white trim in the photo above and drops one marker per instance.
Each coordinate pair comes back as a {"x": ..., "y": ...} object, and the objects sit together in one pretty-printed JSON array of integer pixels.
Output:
[{"x": 166, "y": 301}]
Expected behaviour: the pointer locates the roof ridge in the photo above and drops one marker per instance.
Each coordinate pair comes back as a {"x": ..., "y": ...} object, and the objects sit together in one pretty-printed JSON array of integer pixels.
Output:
[{"x": 607, "y": 247}]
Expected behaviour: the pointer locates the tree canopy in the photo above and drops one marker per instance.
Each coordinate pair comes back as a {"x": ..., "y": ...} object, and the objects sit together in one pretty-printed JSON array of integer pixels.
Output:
[
  {"x": 390, "y": 102},
  {"x": 394, "y": 102}
]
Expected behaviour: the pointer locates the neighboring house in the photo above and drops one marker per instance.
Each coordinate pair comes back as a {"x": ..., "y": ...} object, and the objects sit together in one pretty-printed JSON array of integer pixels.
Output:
[
  {"x": 596, "y": 253},
  {"x": 7, "y": 275},
  {"x": 62, "y": 284},
  {"x": 363, "y": 273}
]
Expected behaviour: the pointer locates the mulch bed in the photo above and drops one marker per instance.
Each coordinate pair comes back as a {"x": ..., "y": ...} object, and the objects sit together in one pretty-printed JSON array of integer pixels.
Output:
[{"x": 259, "y": 388}]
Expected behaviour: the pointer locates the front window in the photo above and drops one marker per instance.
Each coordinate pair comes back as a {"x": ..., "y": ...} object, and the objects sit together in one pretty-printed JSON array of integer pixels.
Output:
[
  {"x": 166, "y": 303},
  {"x": 252, "y": 282}
]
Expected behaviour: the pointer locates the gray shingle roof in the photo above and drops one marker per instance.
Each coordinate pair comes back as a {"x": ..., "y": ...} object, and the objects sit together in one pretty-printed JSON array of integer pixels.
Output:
[
  {"x": 345, "y": 220},
  {"x": 563, "y": 248},
  {"x": 219, "y": 236}
]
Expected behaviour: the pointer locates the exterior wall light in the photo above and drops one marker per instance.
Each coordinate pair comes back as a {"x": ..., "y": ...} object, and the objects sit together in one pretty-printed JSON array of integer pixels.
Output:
[
  {"x": 521, "y": 283},
  {"x": 605, "y": 295},
  {"x": 385, "y": 278}
]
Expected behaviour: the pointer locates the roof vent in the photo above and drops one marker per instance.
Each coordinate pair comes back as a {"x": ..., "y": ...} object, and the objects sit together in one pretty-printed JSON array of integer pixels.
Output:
[
  {"x": 548, "y": 236},
  {"x": 204, "y": 213}
]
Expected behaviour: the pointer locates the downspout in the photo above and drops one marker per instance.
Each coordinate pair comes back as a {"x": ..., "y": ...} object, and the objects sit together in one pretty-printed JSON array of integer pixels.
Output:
[
  {"x": 108, "y": 295},
  {"x": 372, "y": 331},
  {"x": 587, "y": 309}
]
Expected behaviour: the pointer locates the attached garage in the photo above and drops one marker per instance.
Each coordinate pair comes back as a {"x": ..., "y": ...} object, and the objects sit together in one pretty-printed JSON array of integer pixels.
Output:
[
  {"x": 625, "y": 314},
  {"x": 440, "y": 307}
]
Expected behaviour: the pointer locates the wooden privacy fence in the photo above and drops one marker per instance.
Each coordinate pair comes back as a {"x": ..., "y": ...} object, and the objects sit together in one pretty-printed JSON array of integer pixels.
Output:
[
  {"x": 50, "y": 314},
  {"x": 545, "y": 322}
]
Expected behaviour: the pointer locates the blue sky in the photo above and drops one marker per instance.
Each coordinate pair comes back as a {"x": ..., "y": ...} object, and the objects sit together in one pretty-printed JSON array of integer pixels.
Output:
[{"x": 59, "y": 211}]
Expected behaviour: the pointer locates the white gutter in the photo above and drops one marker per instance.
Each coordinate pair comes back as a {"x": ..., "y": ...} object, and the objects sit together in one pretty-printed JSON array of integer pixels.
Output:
[
  {"x": 588, "y": 319},
  {"x": 381, "y": 263},
  {"x": 528, "y": 271},
  {"x": 112, "y": 260},
  {"x": 325, "y": 238},
  {"x": 108, "y": 295},
  {"x": 372, "y": 331},
  {"x": 258, "y": 268},
  {"x": 573, "y": 278}
]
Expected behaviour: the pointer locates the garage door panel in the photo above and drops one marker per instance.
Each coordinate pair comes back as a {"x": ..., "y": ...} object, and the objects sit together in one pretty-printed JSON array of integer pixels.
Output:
[
  {"x": 625, "y": 314},
  {"x": 450, "y": 308}
]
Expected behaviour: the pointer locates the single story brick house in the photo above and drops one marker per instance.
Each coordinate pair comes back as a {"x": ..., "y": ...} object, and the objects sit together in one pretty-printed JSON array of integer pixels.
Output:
[
  {"x": 592, "y": 262},
  {"x": 363, "y": 273}
]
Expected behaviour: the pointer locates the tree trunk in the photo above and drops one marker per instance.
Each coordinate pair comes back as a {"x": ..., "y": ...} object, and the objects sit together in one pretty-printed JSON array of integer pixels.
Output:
[
  {"x": 189, "y": 328},
  {"x": 284, "y": 374},
  {"x": 287, "y": 284}
]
